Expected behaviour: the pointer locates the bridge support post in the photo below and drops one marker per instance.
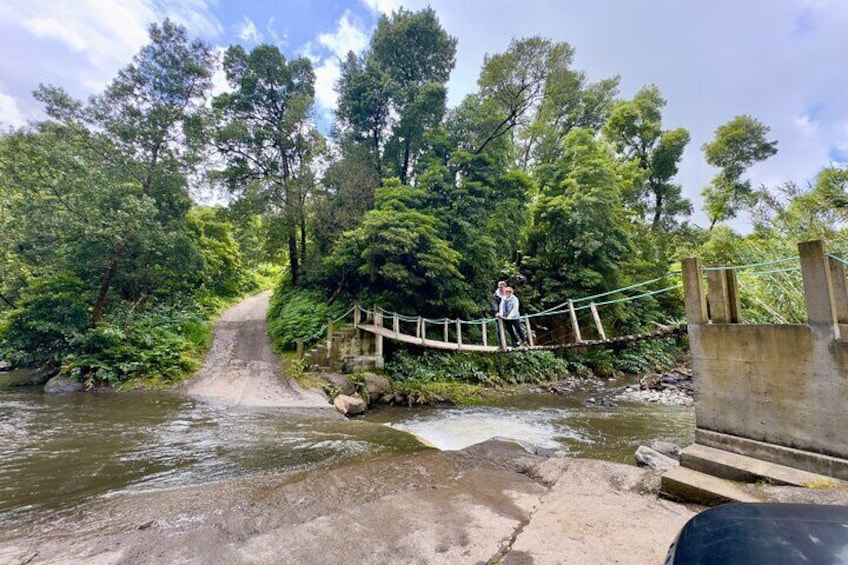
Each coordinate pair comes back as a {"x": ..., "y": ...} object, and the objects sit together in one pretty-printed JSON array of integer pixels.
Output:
[
  {"x": 329, "y": 335},
  {"x": 818, "y": 289},
  {"x": 458, "y": 335},
  {"x": 445, "y": 336},
  {"x": 693, "y": 289},
  {"x": 396, "y": 324},
  {"x": 574, "y": 325},
  {"x": 529, "y": 331},
  {"x": 597, "y": 319},
  {"x": 422, "y": 330},
  {"x": 378, "y": 338},
  {"x": 501, "y": 334},
  {"x": 357, "y": 316},
  {"x": 840, "y": 289},
  {"x": 485, "y": 337},
  {"x": 723, "y": 292}
]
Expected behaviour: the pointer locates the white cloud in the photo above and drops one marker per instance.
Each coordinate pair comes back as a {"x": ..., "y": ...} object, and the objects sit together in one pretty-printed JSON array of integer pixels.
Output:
[
  {"x": 52, "y": 29},
  {"x": 247, "y": 31},
  {"x": 348, "y": 36},
  {"x": 10, "y": 114},
  {"x": 383, "y": 6},
  {"x": 219, "y": 78}
]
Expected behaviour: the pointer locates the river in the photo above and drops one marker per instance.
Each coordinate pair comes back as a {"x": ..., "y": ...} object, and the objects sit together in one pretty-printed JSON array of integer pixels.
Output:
[{"x": 57, "y": 451}]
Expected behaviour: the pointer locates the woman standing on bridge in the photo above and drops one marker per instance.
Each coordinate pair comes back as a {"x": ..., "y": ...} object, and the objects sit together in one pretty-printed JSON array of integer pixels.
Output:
[{"x": 509, "y": 313}]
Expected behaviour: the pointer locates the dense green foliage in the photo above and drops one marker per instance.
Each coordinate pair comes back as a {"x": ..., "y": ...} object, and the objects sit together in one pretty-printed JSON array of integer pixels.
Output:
[{"x": 562, "y": 187}]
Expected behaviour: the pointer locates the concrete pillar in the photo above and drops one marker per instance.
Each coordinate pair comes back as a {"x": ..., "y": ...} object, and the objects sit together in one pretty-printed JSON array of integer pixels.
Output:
[
  {"x": 717, "y": 297},
  {"x": 733, "y": 306},
  {"x": 818, "y": 288},
  {"x": 840, "y": 289},
  {"x": 693, "y": 289}
]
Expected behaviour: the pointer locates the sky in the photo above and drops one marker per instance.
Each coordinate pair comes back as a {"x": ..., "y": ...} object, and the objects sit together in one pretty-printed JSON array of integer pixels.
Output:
[{"x": 780, "y": 61}]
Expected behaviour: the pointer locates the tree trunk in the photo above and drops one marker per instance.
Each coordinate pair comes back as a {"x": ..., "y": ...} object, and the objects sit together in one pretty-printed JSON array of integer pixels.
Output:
[
  {"x": 294, "y": 262},
  {"x": 106, "y": 282},
  {"x": 655, "y": 225}
]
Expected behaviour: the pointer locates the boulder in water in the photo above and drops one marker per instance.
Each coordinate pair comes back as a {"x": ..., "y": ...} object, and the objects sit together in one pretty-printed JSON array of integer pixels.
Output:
[{"x": 63, "y": 385}]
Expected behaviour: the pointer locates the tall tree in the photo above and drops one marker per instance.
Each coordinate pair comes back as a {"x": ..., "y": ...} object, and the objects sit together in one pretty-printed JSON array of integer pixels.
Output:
[
  {"x": 267, "y": 138},
  {"x": 143, "y": 128},
  {"x": 635, "y": 130},
  {"x": 738, "y": 144},
  {"x": 394, "y": 92}
]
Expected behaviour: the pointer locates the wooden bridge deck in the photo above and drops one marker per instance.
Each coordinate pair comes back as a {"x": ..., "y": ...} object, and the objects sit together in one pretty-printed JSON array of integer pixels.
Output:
[{"x": 673, "y": 331}]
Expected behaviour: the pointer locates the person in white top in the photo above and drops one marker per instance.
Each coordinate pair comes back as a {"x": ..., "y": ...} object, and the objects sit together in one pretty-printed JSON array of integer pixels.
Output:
[{"x": 509, "y": 313}]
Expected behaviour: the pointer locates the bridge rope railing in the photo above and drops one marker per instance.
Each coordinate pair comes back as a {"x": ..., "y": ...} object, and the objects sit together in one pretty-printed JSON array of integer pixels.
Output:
[{"x": 578, "y": 309}]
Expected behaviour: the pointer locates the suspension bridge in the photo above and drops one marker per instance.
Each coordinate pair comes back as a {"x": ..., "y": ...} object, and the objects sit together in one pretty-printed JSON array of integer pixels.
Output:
[{"x": 579, "y": 322}]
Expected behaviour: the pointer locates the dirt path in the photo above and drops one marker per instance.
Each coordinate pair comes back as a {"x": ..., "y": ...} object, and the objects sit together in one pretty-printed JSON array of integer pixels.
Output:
[{"x": 241, "y": 367}]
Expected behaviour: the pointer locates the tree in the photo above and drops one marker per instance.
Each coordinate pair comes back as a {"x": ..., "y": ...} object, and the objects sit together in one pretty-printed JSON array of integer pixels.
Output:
[
  {"x": 738, "y": 144},
  {"x": 267, "y": 138},
  {"x": 394, "y": 92},
  {"x": 143, "y": 131},
  {"x": 635, "y": 131},
  {"x": 578, "y": 239},
  {"x": 396, "y": 257}
]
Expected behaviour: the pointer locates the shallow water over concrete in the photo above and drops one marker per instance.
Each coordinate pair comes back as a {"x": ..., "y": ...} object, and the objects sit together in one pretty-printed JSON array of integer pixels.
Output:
[
  {"x": 59, "y": 450},
  {"x": 568, "y": 426}
]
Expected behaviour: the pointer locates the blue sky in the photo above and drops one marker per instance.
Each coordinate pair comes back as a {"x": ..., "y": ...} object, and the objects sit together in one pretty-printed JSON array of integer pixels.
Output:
[{"x": 781, "y": 61}]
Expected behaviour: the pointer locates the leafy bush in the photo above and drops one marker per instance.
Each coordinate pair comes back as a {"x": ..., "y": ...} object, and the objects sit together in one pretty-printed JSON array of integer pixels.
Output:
[
  {"x": 296, "y": 313},
  {"x": 50, "y": 315},
  {"x": 161, "y": 345},
  {"x": 477, "y": 368}
]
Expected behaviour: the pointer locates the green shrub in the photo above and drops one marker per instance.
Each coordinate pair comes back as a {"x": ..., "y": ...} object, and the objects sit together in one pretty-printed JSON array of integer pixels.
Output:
[
  {"x": 50, "y": 315},
  {"x": 296, "y": 313},
  {"x": 477, "y": 368}
]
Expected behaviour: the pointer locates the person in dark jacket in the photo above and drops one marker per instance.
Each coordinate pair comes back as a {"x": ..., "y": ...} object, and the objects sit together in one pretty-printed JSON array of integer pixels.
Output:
[{"x": 496, "y": 305}]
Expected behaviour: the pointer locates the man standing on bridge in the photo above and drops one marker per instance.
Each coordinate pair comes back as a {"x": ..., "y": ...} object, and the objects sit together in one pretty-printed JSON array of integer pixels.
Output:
[
  {"x": 509, "y": 313},
  {"x": 497, "y": 298}
]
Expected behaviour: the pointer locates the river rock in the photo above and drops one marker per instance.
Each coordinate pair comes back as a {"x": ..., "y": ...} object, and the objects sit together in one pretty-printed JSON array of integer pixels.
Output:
[
  {"x": 349, "y": 405},
  {"x": 666, "y": 448},
  {"x": 62, "y": 385},
  {"x": 647, "y": 457},
  {"x": 341, "y": 382},
  {"x": 376, "y": 385}
]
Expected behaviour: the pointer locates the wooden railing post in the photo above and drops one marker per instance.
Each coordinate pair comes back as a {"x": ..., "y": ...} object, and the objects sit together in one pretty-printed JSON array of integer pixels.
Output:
[
  {"x": 422, "y": 330},
  {"x": 501, "y": 334},
  {"x": 329, "y": 334},
  {"x": 396, "y": 325},
  {"x": 458, "y": 335},
  {"x": 485, "y": 337},
  {"x": 598, "y": 323},
  {"x": 574, "y": 325},
  {"x": 529, "y": 331},
  {"x": 446, "y": 335},
  {"x": 357, "y": 316},
  {"x": 378, "y": 338}
]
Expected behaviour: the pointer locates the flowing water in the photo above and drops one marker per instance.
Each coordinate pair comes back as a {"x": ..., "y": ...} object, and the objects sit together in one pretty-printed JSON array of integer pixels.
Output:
[{"x": 56, "y": 451}]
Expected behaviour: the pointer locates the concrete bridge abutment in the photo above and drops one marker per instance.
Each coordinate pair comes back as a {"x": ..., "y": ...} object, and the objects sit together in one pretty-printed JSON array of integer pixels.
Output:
[{"x": 778, "y": 393}]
